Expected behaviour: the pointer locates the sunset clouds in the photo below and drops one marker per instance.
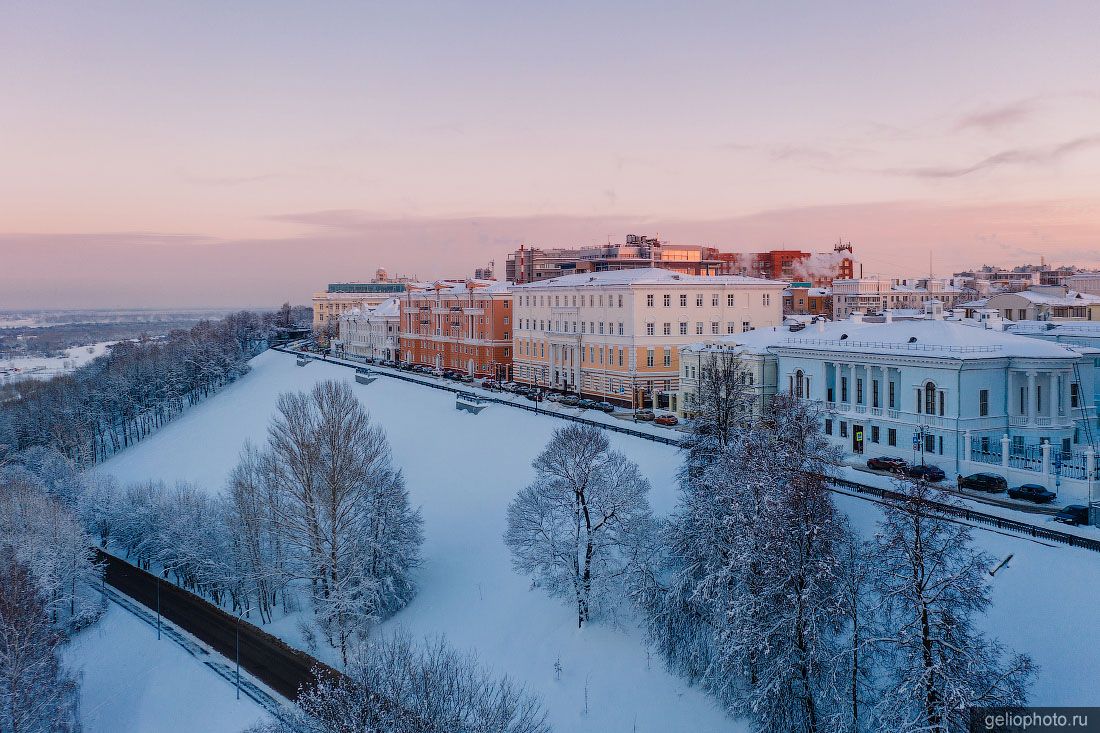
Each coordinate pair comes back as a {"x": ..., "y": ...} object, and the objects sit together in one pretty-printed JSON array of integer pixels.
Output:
[{"x": 428, "y": 138}]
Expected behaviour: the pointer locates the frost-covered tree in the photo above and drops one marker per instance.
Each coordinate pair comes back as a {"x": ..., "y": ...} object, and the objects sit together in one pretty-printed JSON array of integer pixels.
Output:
[
  {"x": 744, "y": 596},
  {"x": 577, "y": 527},
  {"x": 343, "y": 508},
  {"x": 933, "y": 583},
  {"x": 37, "y": 693},
  {"x": 397, "y": 686}
]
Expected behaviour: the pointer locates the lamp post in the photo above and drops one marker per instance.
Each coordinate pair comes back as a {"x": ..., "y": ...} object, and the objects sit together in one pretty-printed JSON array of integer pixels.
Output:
[
  {"x": 237, "y": 633},
  {"x": 158, "y": 608}
]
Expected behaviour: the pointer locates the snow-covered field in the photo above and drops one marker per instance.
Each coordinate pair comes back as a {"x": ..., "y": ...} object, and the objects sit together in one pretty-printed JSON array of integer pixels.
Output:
[
  {"x": 132, "y": 683},
  {"x": 42, "y": 367},
  {"x": 462, "y": 470}
]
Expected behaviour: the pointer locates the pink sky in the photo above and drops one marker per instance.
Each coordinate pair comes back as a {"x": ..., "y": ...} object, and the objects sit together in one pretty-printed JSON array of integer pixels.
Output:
[{"x": 225, "y": 154}]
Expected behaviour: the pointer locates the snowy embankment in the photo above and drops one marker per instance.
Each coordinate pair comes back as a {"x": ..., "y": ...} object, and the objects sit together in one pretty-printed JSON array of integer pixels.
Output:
[
  {"x": 133, "y": 683},
  {"x": 462, "y": 470}
]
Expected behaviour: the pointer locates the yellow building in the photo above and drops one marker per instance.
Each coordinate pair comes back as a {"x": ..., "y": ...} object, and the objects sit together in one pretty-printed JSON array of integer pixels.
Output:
[{"x": 616, "y": 335}]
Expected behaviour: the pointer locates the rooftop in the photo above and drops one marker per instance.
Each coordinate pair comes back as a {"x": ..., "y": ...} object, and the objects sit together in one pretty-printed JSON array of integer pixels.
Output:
[{"x": 647, "y": 276}]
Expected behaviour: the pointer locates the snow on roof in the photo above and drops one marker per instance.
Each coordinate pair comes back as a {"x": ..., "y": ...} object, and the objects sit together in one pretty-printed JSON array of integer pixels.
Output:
[
  {"x": 1071, "y": 297},
  {"x": 647, "y": 276},
  {"x": 389, "y": 307},
  {"x": 453, "y": 287},
  {"x": 932, "y": 337},
  {"x": 812, "y": 292}
]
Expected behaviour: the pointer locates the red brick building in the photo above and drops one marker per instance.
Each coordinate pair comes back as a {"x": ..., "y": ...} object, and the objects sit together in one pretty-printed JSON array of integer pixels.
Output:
[
  {"x": 817, "y": 268},
  {"x": 464, "y": 325}
]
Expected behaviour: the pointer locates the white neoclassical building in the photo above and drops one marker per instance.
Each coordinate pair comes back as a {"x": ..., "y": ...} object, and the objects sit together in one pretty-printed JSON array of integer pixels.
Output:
[
  {"x": 950, "y": 393},
  {"x": 371, "y": 333}
]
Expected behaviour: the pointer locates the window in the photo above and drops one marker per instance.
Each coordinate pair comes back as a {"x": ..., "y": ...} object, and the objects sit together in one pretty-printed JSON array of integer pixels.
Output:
[
  {"x": 683, "y": 328},
  {"x": 844, "y": 389},
  {"x": 874, "y": 394},
  {"x": 621, "y": 301},
  {"x": 746, "y": 326},
  {"x": 649, "y": 357},
  {"x": 698, "y": 328},
  {"x": 1073, "y": 395},
  {"x": 731, "y": 327},
  {"x": 843, "y": 429},
  {"x": 714, "y": 327},
  {"x": 828, "y": 426},
  {"x": 943, "y": 398},
  {"x": 929, "y": 443},
  {"x": 601, "y": 328},
  {"x": 891, "y": 436},
  {"x": 874, "y": 433},
  {"x": 667, "y": 300},
  {"x": 620, "y": 328},
  {"x": 714, "y": 300},
  {"x": 683, "y": 300},
  {"x": 668, "y": 357},
  {"x": 930, "y": 399},
  {"x": 620, "y": 357},
  {"x": 892, "y": 403},
  {"x": 983, "y": 402},
  {"x": 668, "y": 328},
  {"x": 649, "y": 300},
  {"x": 699, "y": 300},
  {"x": 829, "y": 394},
  {"x": 766, "y": 298},
  {"x": 859, "y": 390},
  {"x": 729, "y": 300},
  {"x": 649, "y": 329}
]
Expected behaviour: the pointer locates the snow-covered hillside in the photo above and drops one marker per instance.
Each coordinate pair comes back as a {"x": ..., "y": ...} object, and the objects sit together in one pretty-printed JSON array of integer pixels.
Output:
[{"x": 463, "y": 469}]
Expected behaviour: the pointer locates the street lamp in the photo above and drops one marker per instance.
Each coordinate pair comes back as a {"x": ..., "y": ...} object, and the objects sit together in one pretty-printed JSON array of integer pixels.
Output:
[{"x": 237, "y": 629}]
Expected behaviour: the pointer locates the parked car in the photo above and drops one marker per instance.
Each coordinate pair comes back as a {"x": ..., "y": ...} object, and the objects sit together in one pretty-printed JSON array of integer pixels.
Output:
[
  {"x": 646, "y": 415},
  {"x": 665, "y": 420},
  {"x": 1032, "y": 492},
  {"x": 990, "y": 482},
  {"x": 1073, "y": 514},
  {"x": 570, "y": 400},
  {"x": 605, "y": 407},
  {"x": 927, "y": 472},
  {"x": 534, "y": 395},
  {"x": 553, "y": 397},
  {"x": 587, "y": 404},
  {"x": 466, "y": 379},
  {"x": 886, "y": 463}
]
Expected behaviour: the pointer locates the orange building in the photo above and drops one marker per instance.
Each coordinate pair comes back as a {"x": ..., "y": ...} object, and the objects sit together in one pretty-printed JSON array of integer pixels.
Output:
[{"x": 463, "y": 325}]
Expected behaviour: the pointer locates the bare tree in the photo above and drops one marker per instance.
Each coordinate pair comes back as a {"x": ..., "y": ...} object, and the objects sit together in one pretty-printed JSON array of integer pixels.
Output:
[
  {"x": 575, "y": 528},
  {"x": 345, "y": 508},
  {"x": 397, "y": 686},
  {"x": 933, "y": 582},
  {"x": 37, "y": 693}
]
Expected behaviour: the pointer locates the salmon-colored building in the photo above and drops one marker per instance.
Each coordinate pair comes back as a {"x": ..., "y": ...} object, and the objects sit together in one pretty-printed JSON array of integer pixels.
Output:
[{"x": 463, "y": 325}]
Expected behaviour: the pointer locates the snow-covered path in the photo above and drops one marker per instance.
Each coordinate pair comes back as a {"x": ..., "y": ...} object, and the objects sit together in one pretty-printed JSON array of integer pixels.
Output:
[
  {"x": 462, "y": 470},
  {"x": 132, "y": 683}
]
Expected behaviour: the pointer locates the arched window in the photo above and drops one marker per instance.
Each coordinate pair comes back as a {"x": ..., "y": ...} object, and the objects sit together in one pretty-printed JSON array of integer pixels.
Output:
[
  {"x": 930, "y": 399},
  {"x": 800, "y": 382}
]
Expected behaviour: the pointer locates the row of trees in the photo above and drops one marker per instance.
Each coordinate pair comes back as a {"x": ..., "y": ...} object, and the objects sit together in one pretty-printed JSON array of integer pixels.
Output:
[
  {"x": 48, "y": 581},
  {"x": 756, "y": 588},
  {"x": 121, "y": 397},
  {"x": 320, "y": 507}
]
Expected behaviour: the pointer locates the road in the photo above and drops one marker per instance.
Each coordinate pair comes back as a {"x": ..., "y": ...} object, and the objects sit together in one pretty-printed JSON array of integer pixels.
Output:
[{"x": 269, "y": 659}]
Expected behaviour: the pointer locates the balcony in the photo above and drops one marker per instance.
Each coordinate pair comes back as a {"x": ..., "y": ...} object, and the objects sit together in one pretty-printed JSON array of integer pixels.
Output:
[
  {"x": 830, "y": 406},
  {"x": 877, "y": 411},
  {"x": 893, "y": 414},
  {"x": 861, "y": 408},
  {"x": 1018, "y": 421}
]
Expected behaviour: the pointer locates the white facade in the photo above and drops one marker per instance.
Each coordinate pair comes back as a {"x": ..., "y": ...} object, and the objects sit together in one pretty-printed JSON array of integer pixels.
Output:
[
  {"x": 875, "y": 294},
  {"x": 617, "y": 334},
  {"x": 918, "y": 389},
  {"x": 371, "y": 333}
]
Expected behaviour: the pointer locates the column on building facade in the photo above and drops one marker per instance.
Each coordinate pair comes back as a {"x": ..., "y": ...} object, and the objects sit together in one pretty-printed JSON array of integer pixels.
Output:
[{"x": 1030, "y": 397}]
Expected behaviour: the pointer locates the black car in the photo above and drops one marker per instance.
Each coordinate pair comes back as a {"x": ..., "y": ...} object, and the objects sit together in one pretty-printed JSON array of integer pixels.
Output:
[
  {"x": 1032, "y": 492},
  {"x": 534, "y": 395},
  {"x": 886, "y": 463},
  {"x": 990, "y": 482},
  {"x": 587, "y": 404},
  {"x": 1073, "y": 514},
  {"x": 928, "y": 473}
]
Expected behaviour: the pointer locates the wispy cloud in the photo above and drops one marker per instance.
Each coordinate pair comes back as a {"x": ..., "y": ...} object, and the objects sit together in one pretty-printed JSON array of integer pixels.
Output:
[
  {"x": 996, "y": 118},
  {"x": 1011, "y": 157}
]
